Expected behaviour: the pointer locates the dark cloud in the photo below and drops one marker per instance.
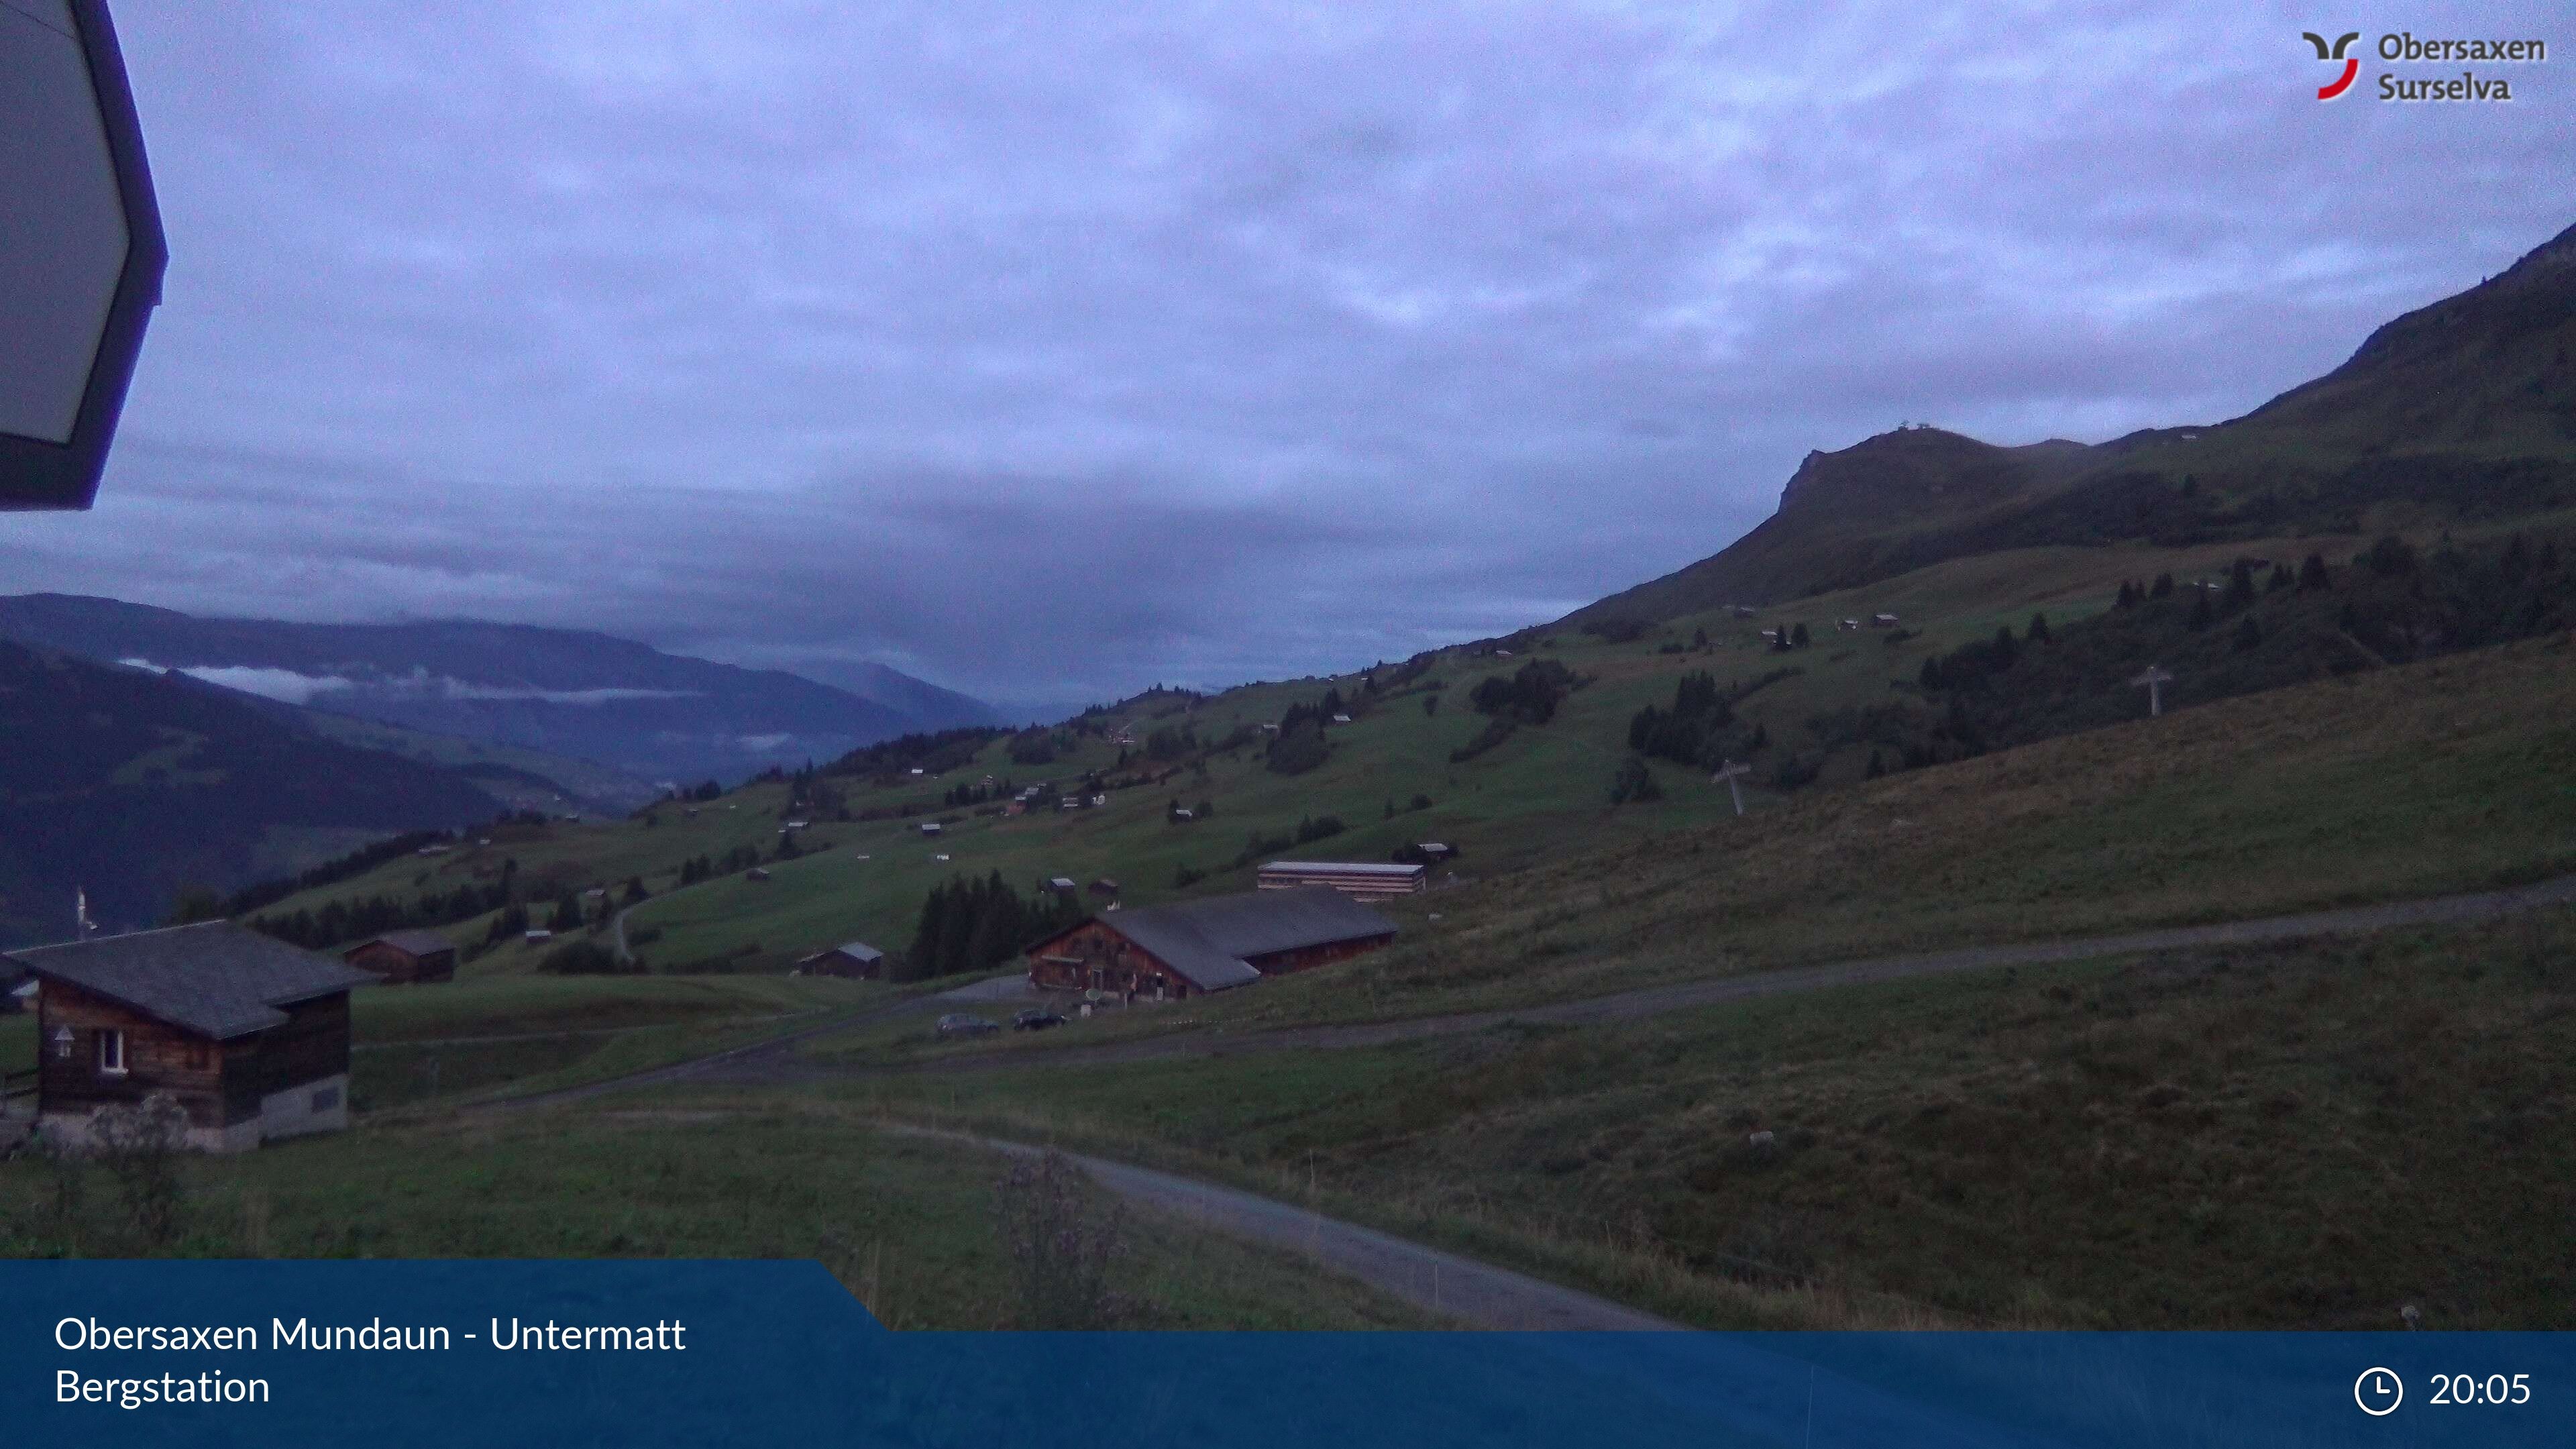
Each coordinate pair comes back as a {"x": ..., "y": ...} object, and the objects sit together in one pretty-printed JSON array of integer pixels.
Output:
[{"x": 1046, "y": 352}]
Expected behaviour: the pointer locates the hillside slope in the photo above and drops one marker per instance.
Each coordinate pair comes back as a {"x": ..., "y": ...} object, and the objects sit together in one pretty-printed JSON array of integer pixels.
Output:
[
  {"x": 2461, "y": 411},
  {"x": 129, "y": 784},
  {"x": 564, "y": 692}
]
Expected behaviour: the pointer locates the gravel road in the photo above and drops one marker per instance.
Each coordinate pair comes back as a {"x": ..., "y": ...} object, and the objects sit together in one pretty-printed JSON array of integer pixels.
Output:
[{"x": 1473, "y": 1293}]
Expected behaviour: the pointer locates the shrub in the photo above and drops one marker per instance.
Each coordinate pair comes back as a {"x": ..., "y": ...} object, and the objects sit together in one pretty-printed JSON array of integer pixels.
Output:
[
  {"x": 1061, "y": 1243},
  {"x": 585, "y": 958},
  {"x": 1634, "y": 781},
  {"x": 1496, "y": 730}
]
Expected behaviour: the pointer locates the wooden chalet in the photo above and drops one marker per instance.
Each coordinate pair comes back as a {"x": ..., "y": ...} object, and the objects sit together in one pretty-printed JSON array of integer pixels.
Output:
[
  {"x": 1165, "y": 953},
  {"x": 1359, "y": 879},
  {"x": 405, "y": 958},
  {"x": 1105, "y": 888},
  {"x": 250, "y": 1036},
  {"x": 854, "y": 959}
]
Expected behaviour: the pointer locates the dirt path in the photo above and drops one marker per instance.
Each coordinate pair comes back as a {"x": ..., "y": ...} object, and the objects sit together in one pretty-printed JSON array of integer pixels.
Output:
[
  {"x": 1689, "y": 996},
  {"x": 1444, "y": 1283}
]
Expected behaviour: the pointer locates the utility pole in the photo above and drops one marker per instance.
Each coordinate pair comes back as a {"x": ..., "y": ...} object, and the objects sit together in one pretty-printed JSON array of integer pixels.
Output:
[
  {"x": 2153, "y": 682},
  {"x": 1731, "y": 771}
]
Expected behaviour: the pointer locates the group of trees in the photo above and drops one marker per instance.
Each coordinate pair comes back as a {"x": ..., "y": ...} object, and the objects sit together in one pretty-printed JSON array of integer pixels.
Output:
[
  {"x": 375, "y": 915},
  {"x": 1529, "y": 694},
  {"x": 1701, "y": 730},
  {"x": 701, "y": 867},
  {"x": 2266, "y": 625},
  {"x": 974, "y": 925},
  {"x": 932, "y": 753}
]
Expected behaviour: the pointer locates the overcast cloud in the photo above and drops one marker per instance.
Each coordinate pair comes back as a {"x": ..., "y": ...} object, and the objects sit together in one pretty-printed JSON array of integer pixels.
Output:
[{"x": 1048, "y": 352}]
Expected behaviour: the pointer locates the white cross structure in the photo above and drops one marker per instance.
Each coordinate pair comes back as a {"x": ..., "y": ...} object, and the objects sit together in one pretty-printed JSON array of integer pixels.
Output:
[
  {"x": 1730, "y": 771},
  {"x": 2153, "y": 682}
]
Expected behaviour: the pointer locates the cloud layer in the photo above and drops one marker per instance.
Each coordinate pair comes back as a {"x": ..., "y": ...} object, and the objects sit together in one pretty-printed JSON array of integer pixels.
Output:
[{"x": 1050, "y": 352}]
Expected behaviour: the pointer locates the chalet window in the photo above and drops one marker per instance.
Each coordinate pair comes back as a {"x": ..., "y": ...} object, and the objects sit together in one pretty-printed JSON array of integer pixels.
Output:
[{"x": 111, "y": 1053}]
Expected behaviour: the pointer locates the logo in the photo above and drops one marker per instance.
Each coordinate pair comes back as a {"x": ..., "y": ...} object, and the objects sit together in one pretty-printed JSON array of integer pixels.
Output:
[
  {"x": 2403, "y": 48},
  {"x": 2351, "y": 64}
]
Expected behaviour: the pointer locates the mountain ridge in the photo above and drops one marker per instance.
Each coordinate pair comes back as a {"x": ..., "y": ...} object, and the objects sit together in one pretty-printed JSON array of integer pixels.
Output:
[
  {"x": 580, "y": 693},
  {"x": 2463, "y": 409}
]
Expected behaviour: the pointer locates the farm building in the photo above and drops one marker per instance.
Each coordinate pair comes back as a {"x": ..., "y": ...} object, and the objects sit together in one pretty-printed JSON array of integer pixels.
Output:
[
  {"x": 1359, "y": 879},
  {"x": 1882, "y": 621},
  {"x": 1062, "y": 885},
  {"x": 1165, "y": 953},
  {"x": 250, "y": 1036},
  {"x": 405, "y": 957},
  {"x": 855, "y": 959},
  {"x": 1105, "y": 888},
  {"x": 757, "y": 872},
  {"x": 930, "y": 827}
]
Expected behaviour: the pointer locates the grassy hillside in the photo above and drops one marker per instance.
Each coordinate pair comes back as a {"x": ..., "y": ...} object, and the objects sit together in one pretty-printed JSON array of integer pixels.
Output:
[
  {"x": 907, "y": 1224},
  {"x": 129, "y": 785},
  {"x": 1541, "y": 796},
  {"x": 2301, "y": 1136}
]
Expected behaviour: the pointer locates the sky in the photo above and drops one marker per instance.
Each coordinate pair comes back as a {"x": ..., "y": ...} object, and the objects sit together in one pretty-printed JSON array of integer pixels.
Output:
[{"x": 1048, "y": 352}]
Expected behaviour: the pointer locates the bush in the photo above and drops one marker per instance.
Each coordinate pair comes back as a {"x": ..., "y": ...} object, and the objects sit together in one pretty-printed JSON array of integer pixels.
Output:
[
  {"x": 1496, "y": 730},
  {"x": 1320, "y": 827},
  {"x": 585, "y": 958},
  {"x": 1061, "y": 1243},
  {"x": 1634, "y": 781}
]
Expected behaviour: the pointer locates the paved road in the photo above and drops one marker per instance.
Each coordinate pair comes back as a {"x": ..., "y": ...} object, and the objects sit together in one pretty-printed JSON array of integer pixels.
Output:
[
  {"x": 1692, "y": 995},
  {"x": 1443, "y": 1283}
]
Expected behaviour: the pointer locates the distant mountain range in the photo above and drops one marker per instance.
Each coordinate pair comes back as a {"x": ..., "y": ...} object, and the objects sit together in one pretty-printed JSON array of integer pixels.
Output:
[
  {"x": 143, "y": 750},
  {"x": 588, "y": 696},
  {"x": 127, "y": 785},
  {"x": 2461, "y": 411}
]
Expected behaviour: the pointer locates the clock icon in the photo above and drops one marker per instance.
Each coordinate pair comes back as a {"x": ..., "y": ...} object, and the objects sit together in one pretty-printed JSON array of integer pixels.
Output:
[{"x": 2378, "y": 1391}]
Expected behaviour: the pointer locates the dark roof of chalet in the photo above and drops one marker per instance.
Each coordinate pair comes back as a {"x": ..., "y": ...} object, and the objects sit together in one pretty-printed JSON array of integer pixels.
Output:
[
  {"x": 214, "y": 978},
  {"x": 415, "y": 943},
  {"x": 855, "y": 950},
  {"x": 1207, "y": 940}
]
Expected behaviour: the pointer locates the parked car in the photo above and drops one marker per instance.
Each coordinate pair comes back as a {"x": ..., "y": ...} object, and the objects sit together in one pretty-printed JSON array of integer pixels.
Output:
[
  {"x": 1036, "y": 1018},
  {"x": 958, "y": 1023}
]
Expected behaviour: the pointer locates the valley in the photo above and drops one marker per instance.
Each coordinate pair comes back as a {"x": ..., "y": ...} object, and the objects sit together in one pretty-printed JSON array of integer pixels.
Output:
[{"x": 2363, "y": 596}]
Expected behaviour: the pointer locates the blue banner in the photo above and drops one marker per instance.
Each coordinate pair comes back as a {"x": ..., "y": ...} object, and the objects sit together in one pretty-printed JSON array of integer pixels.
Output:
[{"x": 395, "y": 1354}]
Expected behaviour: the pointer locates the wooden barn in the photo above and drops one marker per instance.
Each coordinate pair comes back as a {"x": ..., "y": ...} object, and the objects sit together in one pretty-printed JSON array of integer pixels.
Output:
[
  {"x": 248, "y": 1034},
  {"x": 854, "y": 959},
  {"x": 405, "y": 958},
  {"x": 1359, "y": 879},
  {"x": 1165, "y": 953}
]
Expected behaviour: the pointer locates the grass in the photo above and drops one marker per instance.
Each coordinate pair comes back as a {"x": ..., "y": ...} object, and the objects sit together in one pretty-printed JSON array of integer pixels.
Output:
[
  {"x": 2306, "y": 1136},
  {"x": 906, "y": 1223},
  {"x": 2452, "y": 775},
  {"x": 529, "y": 1033}
]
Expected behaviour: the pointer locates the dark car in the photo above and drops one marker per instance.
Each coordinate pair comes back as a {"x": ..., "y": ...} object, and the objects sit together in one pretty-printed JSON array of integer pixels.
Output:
[
  {"x": 960, "y": 1024},
  {"x": 1036, "y": 1018}
]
